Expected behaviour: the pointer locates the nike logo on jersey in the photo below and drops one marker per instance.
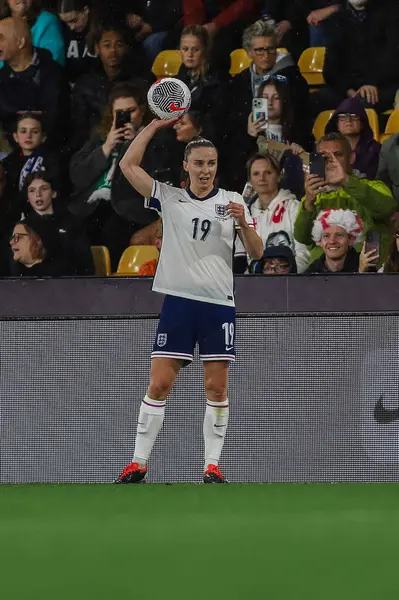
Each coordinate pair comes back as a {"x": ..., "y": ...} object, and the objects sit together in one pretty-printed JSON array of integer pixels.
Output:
[
  {"x": 174, "y": 108},
  {"x": 383, "y": 414},
  {"x": 185, "y": 201},
  {"x": 228, "y": 348}
]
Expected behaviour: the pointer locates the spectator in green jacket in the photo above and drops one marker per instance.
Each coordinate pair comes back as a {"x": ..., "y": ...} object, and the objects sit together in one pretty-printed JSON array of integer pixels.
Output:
[{"x": 342, "y": 187}]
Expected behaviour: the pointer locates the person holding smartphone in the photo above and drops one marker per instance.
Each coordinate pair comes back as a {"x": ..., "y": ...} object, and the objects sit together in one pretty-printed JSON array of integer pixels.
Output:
[
  {"x": 340, "y": 187},
  {"x": 111, "y": 212}
]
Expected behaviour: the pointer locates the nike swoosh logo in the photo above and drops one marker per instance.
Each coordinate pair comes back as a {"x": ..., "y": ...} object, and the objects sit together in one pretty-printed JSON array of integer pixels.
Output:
[
  {"x": 228, "y": 348},
  {"x": 385, "y": 415},
  {"x": 174, "y": 108},
  {"x": 220, "y": 425},
  {"x": 185, "y": 201}
]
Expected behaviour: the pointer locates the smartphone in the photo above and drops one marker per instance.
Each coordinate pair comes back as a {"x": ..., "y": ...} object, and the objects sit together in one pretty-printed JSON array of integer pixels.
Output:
[
  {"x": 122, "y": 117},
  {"x": 317, "y": 164},
  {"x": 373, "y": 241},
  {"x": 260, "y": 110}
]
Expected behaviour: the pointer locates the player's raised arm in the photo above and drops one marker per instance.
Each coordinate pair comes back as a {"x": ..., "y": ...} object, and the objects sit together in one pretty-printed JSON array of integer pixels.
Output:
[{"x": 130, "y": 163}]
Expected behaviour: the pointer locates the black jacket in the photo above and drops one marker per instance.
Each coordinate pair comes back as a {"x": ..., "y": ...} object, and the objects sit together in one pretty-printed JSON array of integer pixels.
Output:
[
  {"x": 209, "y": 98},
  {"x": 90, "y": 163},
  {"x": 351, "y": 264},
  {"x": 79, "y": 58},
  {"x": 363, "y": 52},
  {"x": 90, "y": 97},
  {"x": 41, "y": 87}
]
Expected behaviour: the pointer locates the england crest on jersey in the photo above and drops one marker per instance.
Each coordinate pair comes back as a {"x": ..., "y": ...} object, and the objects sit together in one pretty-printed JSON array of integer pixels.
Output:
[
  {"x": 162, "y": 339},
  {"x": 221, "y": 211}
]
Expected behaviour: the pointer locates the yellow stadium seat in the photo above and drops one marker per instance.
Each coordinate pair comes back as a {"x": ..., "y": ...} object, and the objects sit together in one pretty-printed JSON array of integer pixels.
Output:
[
  {"x": 239, "y": 60},
  {"x": 167, "y": 63},
  {"x": 320, "y": 123},
  {"x": 311, "y": 64},
  {"x": 102, "y": 260},
  {"x": 135, "y": 256},
  {"x": 393, "y": 122},
  {"x": 374, "y": 123}
]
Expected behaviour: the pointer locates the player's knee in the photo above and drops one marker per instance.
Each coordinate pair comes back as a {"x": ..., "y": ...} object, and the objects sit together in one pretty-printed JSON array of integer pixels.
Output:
[
  {"x": 215, "y": 390},
  {"x": 159, "y": 388}
]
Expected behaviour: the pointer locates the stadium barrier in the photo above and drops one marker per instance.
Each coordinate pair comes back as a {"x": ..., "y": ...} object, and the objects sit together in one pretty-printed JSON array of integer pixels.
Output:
[{"x": 314, "y": 393}]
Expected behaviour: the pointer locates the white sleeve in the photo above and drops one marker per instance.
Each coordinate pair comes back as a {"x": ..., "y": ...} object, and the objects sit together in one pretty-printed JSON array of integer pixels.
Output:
[
  {"x": 240, "y": 200},
  {"x": 159, "y": 194},
  {"x": 301, "y": 252}
]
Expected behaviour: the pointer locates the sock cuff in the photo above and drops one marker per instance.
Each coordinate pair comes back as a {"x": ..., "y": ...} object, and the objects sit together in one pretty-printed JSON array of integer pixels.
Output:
[
  {"x": 153, "y": 403},
  {"x": 223, "y": 404}
]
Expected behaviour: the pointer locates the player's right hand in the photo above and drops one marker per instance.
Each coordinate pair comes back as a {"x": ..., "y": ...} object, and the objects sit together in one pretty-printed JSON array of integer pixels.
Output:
[
  {"x": 161, "y": 123},
  {"x": 312, "y": 185}
]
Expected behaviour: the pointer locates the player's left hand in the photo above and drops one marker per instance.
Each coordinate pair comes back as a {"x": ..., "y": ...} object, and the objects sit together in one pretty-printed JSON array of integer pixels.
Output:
[{"x": 237, "y": 212}]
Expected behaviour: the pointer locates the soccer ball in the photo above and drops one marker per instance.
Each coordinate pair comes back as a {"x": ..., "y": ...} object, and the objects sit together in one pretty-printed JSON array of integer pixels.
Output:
[{"x": 169, "y": 98}]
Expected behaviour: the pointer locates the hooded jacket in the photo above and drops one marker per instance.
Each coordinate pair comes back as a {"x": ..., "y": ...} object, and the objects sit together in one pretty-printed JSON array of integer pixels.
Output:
[
  {"x": 372, "y": 200},
  {"x": 277, "y": 252},
  {"x": 275, "y": 225},
  {"x": 367, "y": 149}
]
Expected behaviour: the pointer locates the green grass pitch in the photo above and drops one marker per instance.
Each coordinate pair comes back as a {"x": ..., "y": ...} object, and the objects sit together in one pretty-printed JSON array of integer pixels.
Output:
[{"x": 274, "y": 542}]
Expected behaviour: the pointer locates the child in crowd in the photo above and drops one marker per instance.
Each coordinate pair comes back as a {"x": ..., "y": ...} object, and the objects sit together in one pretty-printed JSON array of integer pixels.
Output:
[{"x": 30, "y": 155}]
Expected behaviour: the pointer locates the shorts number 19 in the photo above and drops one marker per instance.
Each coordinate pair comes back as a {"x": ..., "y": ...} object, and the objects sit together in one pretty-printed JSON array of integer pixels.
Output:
[{"x": 228, "y": 333}]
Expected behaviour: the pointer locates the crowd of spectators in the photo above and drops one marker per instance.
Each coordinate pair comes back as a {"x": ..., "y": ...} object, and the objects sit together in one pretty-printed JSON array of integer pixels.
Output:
[{"x": 74, "y": 78}]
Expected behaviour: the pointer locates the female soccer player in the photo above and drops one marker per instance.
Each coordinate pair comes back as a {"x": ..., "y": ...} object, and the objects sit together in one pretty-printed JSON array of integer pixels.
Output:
[{"x": 195, "y": 273}]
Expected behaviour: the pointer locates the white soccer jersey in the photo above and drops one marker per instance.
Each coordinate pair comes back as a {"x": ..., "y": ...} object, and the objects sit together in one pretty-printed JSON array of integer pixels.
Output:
[{"x": 197, "y": 247}]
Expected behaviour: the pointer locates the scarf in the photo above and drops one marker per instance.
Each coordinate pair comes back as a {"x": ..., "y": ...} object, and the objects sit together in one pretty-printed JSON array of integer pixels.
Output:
[
  {"x": 33, "y": 164},
  {"x": 104, "y": 184}
]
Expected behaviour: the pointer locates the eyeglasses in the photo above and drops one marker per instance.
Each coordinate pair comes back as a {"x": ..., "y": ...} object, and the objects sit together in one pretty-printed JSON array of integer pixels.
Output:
[
  {"x": 265, "y": 50},
  {"x": 276, "y": 267},
  {"x": 16, "y": 237},
  {"x": 348, "y": 117}
]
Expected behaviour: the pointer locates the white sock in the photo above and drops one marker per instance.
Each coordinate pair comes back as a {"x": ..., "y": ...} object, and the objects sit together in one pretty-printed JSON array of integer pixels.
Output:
[
  {"x": 215, "y": 425},
  {"x": 150, "y": 421}
]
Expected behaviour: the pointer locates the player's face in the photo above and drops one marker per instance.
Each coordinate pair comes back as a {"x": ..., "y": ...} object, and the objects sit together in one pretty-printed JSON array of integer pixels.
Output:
[
  {"x": 192, "y": 51},
  {"x": 130, "y": 104},
  {"x": 76, "y": 20},
  {"x": 28, "y": 135},
  {"x": 335, "y": 242},
  {"x": 263, "y": 53},
  {"x": 112, "y": 49},
  {"x": 273, "y": 102},
  {"x": 264, "y": 178},
  {"x": 185, "y": 130},
  {"x": 41, "y": 196},
  {"x": 202, "y": 165}
]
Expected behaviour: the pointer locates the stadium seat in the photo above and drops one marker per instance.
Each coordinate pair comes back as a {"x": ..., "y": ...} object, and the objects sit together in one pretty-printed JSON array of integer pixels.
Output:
[
  {"x": 102, "y": 261},
  {"x": 393, "y": 122},
  {"x": 321, "y": 122},
  {"x": 311, "y": 64},
  {"x": 167, "y": 63},
  {"x": 133, "y": 257},
  {"x": 374, "y": 123},
  {"x": 239, "y": 60}
]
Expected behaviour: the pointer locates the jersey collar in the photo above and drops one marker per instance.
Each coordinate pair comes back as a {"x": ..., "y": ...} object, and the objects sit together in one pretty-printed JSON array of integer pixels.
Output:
[{"x": 210, "y": 195}]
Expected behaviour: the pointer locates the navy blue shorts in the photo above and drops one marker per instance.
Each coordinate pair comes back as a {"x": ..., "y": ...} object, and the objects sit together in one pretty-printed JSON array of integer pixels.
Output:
[{"x": 183, "y": 323}]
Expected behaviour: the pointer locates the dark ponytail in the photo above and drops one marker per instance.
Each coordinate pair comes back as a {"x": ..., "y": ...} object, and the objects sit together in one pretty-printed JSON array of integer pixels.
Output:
[{"x": 197, "y": 142}]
